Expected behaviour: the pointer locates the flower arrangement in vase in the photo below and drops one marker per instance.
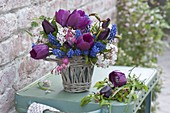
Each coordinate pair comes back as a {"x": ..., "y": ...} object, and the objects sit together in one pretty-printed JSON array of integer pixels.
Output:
[{"x": 76, "y": 43}]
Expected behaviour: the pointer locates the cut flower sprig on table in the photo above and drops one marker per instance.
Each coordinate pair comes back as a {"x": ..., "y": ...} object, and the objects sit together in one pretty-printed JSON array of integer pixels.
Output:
[
  {"x": 72, "y": 36},
  {"x": 116, "y": 88}
]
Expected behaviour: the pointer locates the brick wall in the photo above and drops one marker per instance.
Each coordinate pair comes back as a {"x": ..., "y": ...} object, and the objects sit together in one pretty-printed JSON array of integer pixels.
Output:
[{"x": 17, "y": 69}]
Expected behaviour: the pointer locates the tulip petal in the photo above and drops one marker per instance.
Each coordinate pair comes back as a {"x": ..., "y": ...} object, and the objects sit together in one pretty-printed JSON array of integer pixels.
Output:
[
  {"x": 118, "y": 79},
  {"x": 62, "y": 17},
  {"x": 39, "y": 51},
  {"x": 83, "y": 22},
  {"x": 85, "y": 42},
  {"x": 48, "y": 27},
  {"x": 73, "y": 19},
  {"x": 104, "y": 34},
  {"x": 78, "y": 20}
]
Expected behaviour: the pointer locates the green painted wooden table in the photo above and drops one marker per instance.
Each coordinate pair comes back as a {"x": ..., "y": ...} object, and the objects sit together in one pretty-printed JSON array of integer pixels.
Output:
[{"x": 70, "y": 102}]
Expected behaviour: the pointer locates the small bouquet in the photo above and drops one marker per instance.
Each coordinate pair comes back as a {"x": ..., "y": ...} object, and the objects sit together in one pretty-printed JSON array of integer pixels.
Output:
[
  {"x": 73, "y": 36},
  {"x": 116, "y": 88}
]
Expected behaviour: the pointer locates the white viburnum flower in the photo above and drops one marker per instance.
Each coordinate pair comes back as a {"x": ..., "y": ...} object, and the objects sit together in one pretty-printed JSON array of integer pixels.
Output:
[
  {"x": 61, "y": 35},
  {"x": 106, "y": 63},
  {"x": 61, "y": 39},
  {"x": 112, "y": 47},
  {"x": 113, "y": 59},
  {"x": 100, "y": 58}
]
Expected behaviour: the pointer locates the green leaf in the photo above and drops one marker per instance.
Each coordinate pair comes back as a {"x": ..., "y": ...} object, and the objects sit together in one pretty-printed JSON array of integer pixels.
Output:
[
  {"x": 34, "y": 24},
  {"x": 145, "y": 88},
  {"x": 94, "y": 28},
  {"x": 134, "y": 96},
  {"x": 29, "y": 33},
  {"x": 103, "y": 101},
  {"x": 119, "y": 99},
  {"x": 40, "y": 86},
  {"x": 99, "y": 84},
  {"x": 87, "y": 59},
  {"x": 86, "y": 100},
  {"x": 42, "y": 17},
  {"x": 44, "y": 34},
  {"x": 55, "y": 25}
]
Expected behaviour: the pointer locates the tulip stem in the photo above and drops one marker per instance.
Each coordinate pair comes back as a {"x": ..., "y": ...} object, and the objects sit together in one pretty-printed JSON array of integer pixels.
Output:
[
  {"x": 130, "y": 71},
  {"x": 98, "y": 34}
]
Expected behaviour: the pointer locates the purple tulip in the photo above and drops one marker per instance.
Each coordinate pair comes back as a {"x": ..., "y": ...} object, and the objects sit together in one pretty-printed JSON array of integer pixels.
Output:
[
  {"x": 85, "y": 42},
  {"x": 78, "y": 20},
  {"x": 106, "y": 91},
  {"x": 118, "y": 79},
  {"x": 104, "y": 34},
  {"x": 106, "y": 23},
  {"x": 48, "y": 27},
  {"x": 62, "y": 17},
  {"x": 39, "y": 51}
]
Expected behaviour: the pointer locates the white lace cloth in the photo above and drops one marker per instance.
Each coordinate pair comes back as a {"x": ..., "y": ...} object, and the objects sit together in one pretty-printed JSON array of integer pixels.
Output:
[{"x": 39, "y": 108}]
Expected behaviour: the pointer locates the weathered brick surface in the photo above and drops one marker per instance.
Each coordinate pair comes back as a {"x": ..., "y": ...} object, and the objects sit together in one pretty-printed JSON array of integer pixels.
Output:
[
  {"x": 8, "y": 24},
  {"x": 14, "y": 47},
  {"x": 26, "y": 15},
  {"x": 7, "y": 100},
  {"x": 17, "y": 69},
  {"x": 7, "y": 76},
  {"x": 6, "y": 5}
]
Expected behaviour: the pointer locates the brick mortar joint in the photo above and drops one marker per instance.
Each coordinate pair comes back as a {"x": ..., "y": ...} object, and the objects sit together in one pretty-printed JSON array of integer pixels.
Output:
[
  {"x": 14, "y": 33},
  {"x": 13, "y": 60}
]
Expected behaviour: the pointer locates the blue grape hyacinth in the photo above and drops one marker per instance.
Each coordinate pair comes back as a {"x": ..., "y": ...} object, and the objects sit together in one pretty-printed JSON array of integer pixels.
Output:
[
  {"x": 112, "y": 32},
  {"x": 70, "y": 53},
  {"x": 94, "y": 51},
  {"x": 58, "y": 53},
  {"x": 53, "y": 40}
]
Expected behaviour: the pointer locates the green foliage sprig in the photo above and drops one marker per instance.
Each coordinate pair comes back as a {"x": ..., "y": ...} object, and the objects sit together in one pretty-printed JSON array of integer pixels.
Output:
[{"x": 125, "y": 93}]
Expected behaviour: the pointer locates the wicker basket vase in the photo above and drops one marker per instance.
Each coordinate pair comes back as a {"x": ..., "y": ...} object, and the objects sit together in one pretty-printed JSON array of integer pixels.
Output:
[{"x": 77, "y": 76}]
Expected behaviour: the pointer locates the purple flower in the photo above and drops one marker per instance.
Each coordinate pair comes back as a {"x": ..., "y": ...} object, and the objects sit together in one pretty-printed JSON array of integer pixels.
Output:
[
  {"x": 106, "y": 23},
  {"x": 104, "y": 34},
  {"x": 78, "y": 20},
  {"x": 39, "y": 51},
  {"x": 48, "y": 27},
  {"x": 106, "y": 91},
  {"x": 85, "y": 42},
  {"x": 118, "y": 79},
  {"x": 62, "y": 16}
]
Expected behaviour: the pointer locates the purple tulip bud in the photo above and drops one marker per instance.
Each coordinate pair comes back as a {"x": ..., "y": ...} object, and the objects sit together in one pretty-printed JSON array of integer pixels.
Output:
[
  {"x": 106, "y": 23},
  {"x": 62, "y": 17},
  {"x": 106, "y": 91},
  {"x": 118, "y": 79},
  {"x": 39, "y": 51},
  {"x": 48, "y": 27},
  {"x": 85, "y": 42},
  {"x": 104, "y": 34},
  {"x": 78, "y": 20}
]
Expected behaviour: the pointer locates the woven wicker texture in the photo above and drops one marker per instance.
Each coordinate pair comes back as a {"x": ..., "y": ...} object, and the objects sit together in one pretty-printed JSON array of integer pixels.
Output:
[{"x": 77, "y": 77}]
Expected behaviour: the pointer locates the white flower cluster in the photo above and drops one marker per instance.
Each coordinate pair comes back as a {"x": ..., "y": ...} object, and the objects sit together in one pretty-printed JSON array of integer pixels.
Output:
[
  {"x": 107, "y": 58},
  {"x": 61, "y": 35}
]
